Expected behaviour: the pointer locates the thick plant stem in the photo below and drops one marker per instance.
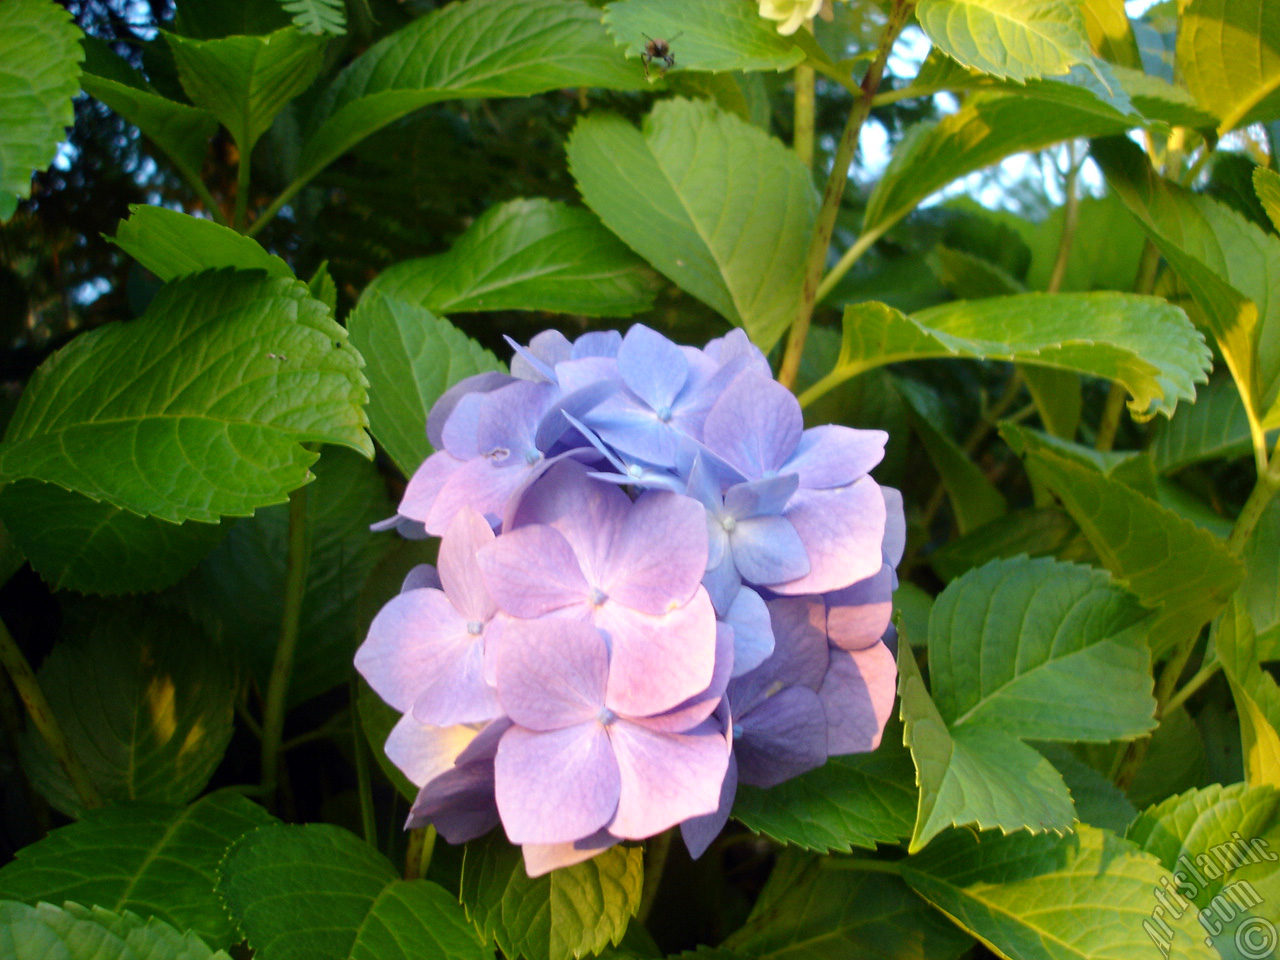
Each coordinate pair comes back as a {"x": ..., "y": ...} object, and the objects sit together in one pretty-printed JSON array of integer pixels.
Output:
[
  {"x": 1070, "y": 220},
  {"x": 655, "y": 862},
  {"x": 1263, "y": 492},
  {"x": 1113, "y": 411},
  {"x": 805, "y": 109},
  {"x": 834, "y": 193},
  {"x": 417, "y": 856},
  {"x": 295, "y": 583},
  {"x": 242, "y": 194},
  {"x": 1206, "y": 674},
  {"x": 43, "y": 719}
]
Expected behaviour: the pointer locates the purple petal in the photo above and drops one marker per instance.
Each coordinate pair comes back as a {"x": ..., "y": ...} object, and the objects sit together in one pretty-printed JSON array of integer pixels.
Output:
[
  {"x": 768, "y": 550},
  {"x": 781, "y": 738},
  {"x": 760, "y": 498},
  {"x": 409, "y": 529},
  {"x": 556, "y": 787},
  {"x": 752, "y": 631},
  {"x": 481, "y": 485},
  {"x": 527, "y": 365},
  {"x": 858, "y": 615},
  {"x": 532, "y": 571},
  {"x": 444, "y": 406},
  {"x": 895, "y": 527},
  {"x": 696, "y": 709},
  {"x": 657, "y": 560},
  {"x": 722, "y": 583},
  {"x": 460, "y": 430},
  {"x": 842, "y": 530},
  {"x": 555, "y": 422},
  {"x": 653, "y": 368},
  {"x": 658, "y": 662},
  {"x": 456, "y": 690},
  {"x": 424, "y": 486},
  {"x": 459, "y": 803},
  {"x": 597, "y": 343},
  {"x": 459, "y": 571},
  {"x": 755, "y": 425},
  {"x": 485, "y": 744},
  {"x": 403, "y": 646},
  {"x": 422, "y": 577},
  {"x": 665, "y": 777},
  {"x": 542, "y": 858},
  {"x": 736, "y": 349},
  {"x": 552, "y": 673},
  {"x": 577, "y": 374},
  {"x": 508, "y": 419},
  {"x": 423, "y": 752},
  {"x": 800, "y": 653},
  {"x": 857, "y": 696},
  {"x": 547, "y": 348},
  {"x": 833, "y": 456},
  {"x": 699, "y": 832}
]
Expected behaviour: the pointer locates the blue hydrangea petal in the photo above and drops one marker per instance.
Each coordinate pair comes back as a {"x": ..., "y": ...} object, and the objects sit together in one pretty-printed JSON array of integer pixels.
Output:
[
  {"x": 422, "y": 752},
  {"x": 532, "y": 572},
  {"x": 800, "y": 654},
  {"x": 832, "y": 455},
  {"x": 768, "y": 550},
  {"x": 657, "y": 558},
  {"x": 653, "y": 368},
  {"x": 444, "y": 406},
  {"x": 760, "y": 498},
  {"x": 781, "y": 738},
  {"x": 458, "y": 570},
  {"x": 597, "y": 343},
  {"x": 699, "y": 832},
  {"x": 756, "y": 424},
  {"x": 542, "y": 858},
  {"x": 403, "y": 646},
  {"x": 698, "y": 708},
  {"x": 752, "y": 631},
  {"x": 842, "y": 531}
]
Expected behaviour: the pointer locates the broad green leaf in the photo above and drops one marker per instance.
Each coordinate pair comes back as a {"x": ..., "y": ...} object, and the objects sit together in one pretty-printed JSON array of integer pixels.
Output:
[
  {"x": 566, "y": 913},
  {"x": 213, "y": 392},
  {"x": 481, "y": 48},
  {"x": 686, "y": 190},
  {"x": 73, "y": 932},
  {"x": 1110, "y": 33},
  {"x": 1079, "y": 897},
  {"x": 179, "y": 129},
  {"x": 246, "y": 81},
  {"x": 323, "y": 288},
  {"x": 1144, "y": 343},
  {"x": 1018, "y": 39},
  {"x": 1231, "y": 267},
  {"x": 1107, "y": 252},
  {"x": 147, "y": 702},
  {"x": 1037, "y": 532},
  {"x": 1229, "y": 58},
  {"x": 1256, "y": 693},
  {"x": 317, "y": 892},
  {"x": 1172, "y": 565},
  {"x": 1260, "y": 592},
  {"x": 527, "y": 255},
  {"x": 172, "y": 245},
  {"x": 850, "y": 801},
  {"x": 709, "y": 34},
  {"x": 1267, "y": 185},
  {"x": 75, "y": 543},
  {"x": 156, "y": 860},
  {"x": 318, "y": 16},
  {"x": 1214, "y": 427},
  {"x": 413, "y": 357},
  {"x": 745, "y": 95},
  {"x": 1098, "y": 801},
  {"x": 974, "y": 499},
  {"x": 988, "y": 128},
  {"x": 40, "y": 58},
  {"x": 211, "y": 19},
  {"x": 971, "y": 277},
  {"x": 1058, "y": 397},
  {"x": 238, "y": 591},
  {"x": 815, "y": 908}
]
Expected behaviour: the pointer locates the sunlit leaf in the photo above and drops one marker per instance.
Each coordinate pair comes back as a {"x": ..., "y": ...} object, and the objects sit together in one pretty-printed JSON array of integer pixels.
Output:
[
  {"x": 1229, "y": 58},
  {"x": 1019, "y": 39},
  {"x": 172, "y": 245}
]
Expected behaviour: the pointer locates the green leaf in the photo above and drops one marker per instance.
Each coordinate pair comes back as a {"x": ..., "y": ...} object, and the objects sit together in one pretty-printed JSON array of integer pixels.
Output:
[
  {"x": 75, "y": 543},
  {"x": 1110, "y": 33},
  {"x": 527, "y": 255},
  {"x": 1038, "y": 532},
  {"x": 1260, "y": 592},
  {"x": 157, "y": 860},
  {"x": 1018, "y": 39},
  {"x": 1230, "y": 265},
  {"x": 482, "y": 48},
  {"x": 146, "y": 701},
  {"x": 39, "y": 74},
  {"x": 239, "y": 371},
  {"x": 172, "y": 245},
  {"x": 1107, "y": 256},
  {"x": 1172, "y": 565},
  {"x": 850, "y": 801},
  {"x": 238, "y": 591},
  {"x": 1267, "y": 185},
  {"x": 317, "y": 892},
  {"x": 73, "y": 932},
  {"x": 684, "y": 192},
  {"x": 1144, "y": 343},
  {"x": 179, "y": 129},
  {"x": 413, "y": 358},
  {"x": 815, "y": 909},
  {"x": 1098, "y": 801},
  {"x": 709, "y": 35},
  {"x": 1229, "y": 58},
  {"x": 318, "y": 16},
  {"x": 988, "y": 128},
  {"x": 1256, "y": 693},
  {"x": 246, "y": 81},
  {"x": 566, "y": 913},
  {"x": 971, "y": 277},
  {"x": 1214, "y": 427},
  {"x": 1082, "y": 896}
]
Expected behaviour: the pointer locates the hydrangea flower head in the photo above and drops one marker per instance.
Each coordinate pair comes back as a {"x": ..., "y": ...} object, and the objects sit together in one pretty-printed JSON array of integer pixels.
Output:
[{"x": 790, "y": 14}]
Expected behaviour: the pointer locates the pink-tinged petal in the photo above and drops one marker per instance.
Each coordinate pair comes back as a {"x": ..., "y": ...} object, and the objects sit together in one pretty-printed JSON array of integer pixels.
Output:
[
  {"x": 425, "y": 485},
  {"x": 768, "y": 550},
  {"x": 686, "y": 716},
  {"x": 858, "y": 615},
  {"x": 456, "y": 691},
  {"x": 752, "y": 631},
  {"x": 755, "y": 424},
  {"x": 532, "y": 571},
  {"x": 800, "y": 653},
  {"x": 423, "y": 752},
  {"x": 660, "y": 553},
  {"x": 588, "y": 513},
  {"x": 542, "y": 858},
  {"x": 658, "y": 662},
  {"x": 652, "y": 367},
  {"x": 665, "y": 777},
  {"x": 700, "y": 832},
  {"x": 459, "y": 571},
  {"x": 443, "y": 407},
  {"x": 833, "y": 456},
  {"x": 459, "y": 803},
  {"x": 895, "y": 527},
  {"x": 551, "y": 673},
  {"x": 406, "y": 643},
  {"x": 479, "y": 484},
  {"x": 556, "y": 787},
  {"x": 842, "y": 530},
  {"x": 857, "y": 696},
  {"x": 781, "y": 738}
]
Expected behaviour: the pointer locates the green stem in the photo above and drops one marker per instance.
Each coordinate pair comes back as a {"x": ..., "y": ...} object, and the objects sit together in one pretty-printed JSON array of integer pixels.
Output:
[
  {"x": 242, "y": 193},
  {"x": 1206, "y": 674},
  {"x": 1109, "y": 425},
  {"x": 1070, "y": 220},
  {"x": 805, "y": 110},
  {"x": 364, "y": 783},
  {"x": 281, "y": 199},
  {"x": 655, "y": 861},
  {"x": 834, "y": 193},
  {"x": 417, "y": 856},
  {"x": 43, "y": 719},
  {"x": 295, "y": 583},
  {"x": 1263, "y": 492}
]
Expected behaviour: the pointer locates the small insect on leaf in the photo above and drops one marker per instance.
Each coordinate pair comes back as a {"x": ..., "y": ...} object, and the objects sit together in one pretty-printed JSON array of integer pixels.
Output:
[{"x": 658, "y": 49}]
